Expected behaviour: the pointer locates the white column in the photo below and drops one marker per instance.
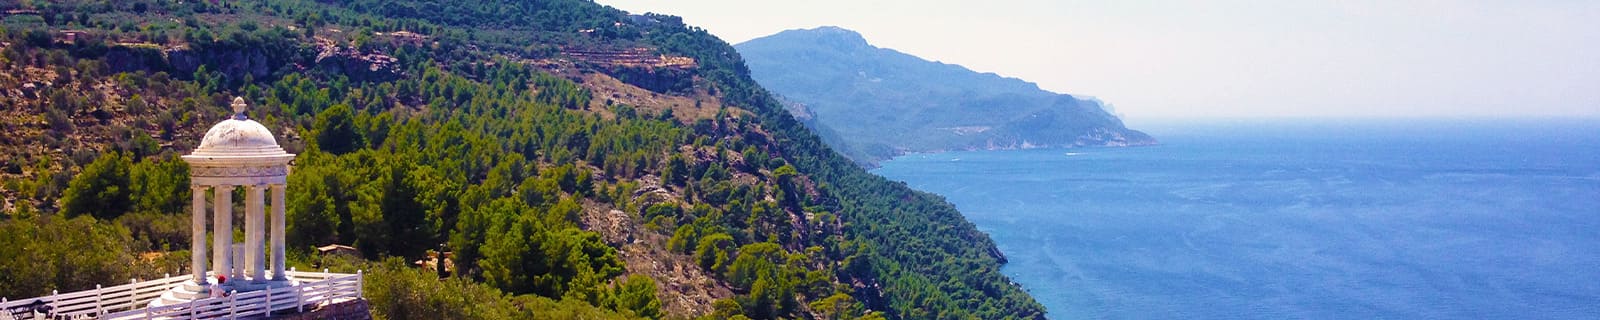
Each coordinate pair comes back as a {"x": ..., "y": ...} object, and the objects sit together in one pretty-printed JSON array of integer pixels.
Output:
[
  {"x": 222, "y": 224},
  {"x": 197, "y": 240},
  {"x": 255, "y": 229},
  {"x": 277, "y": 233}
]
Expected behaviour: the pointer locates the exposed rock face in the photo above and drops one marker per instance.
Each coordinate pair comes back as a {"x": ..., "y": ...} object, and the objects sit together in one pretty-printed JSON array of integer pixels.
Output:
[
  {"x": 125, "y": 59},
  {"x": 641, "y": 67},
  {"x": 233, "y": 63},
  {"x": 349, "y": 310},
  {"x": 356, "y": 64}
]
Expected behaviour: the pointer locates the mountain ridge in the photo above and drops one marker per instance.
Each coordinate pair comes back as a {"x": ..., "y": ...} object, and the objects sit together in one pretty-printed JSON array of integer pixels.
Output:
[{"x": 884, "y": 102}]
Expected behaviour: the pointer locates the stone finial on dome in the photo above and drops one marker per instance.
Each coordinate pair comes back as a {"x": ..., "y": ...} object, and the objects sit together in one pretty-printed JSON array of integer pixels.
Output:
[
  {"x": 238, "y": 136},
  {"x": 238, "y": 108}
]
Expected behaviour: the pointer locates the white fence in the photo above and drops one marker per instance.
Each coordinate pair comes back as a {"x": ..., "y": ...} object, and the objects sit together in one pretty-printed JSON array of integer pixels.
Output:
[
  {"x": 130, "y": 301},
  {"x": 92, "y": 302}
]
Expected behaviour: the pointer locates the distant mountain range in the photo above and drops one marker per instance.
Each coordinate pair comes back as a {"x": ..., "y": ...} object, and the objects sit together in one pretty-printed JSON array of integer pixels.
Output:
[{"x": 873, "y": 103}]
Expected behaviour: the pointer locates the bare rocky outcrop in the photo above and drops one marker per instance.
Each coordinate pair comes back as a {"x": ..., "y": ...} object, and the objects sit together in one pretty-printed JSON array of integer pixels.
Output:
[
  {"x": 233, "y": 63},
  {"x": 685, "y": 288},
  {"x": 358, "y": 65},
  {"x": 182, "y": 60}
]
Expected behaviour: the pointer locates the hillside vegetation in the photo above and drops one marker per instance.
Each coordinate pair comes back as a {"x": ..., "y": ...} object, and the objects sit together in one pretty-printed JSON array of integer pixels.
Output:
[
  {"x": 875, "y": 103},
  {"x": 578, "y": 161}
]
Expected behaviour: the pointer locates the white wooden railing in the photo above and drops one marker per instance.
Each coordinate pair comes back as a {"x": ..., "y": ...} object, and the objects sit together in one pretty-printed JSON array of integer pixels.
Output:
[
  {"x": 130, "y": 301},
  {"x": 98, "y": 301}
]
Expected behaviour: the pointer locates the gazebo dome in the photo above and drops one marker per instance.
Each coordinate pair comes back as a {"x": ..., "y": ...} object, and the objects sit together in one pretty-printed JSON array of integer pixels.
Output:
[
  {"x": 238, "y": 151},
  {"x": 238, "y": 137}
]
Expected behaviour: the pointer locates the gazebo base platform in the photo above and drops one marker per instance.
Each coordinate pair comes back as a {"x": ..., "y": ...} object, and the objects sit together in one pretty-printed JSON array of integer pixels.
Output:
[{"x": 190, "y": 291}]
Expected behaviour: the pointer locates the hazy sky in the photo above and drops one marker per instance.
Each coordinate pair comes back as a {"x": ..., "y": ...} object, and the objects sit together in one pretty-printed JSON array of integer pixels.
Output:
[{"x": 1161, "y": 59}]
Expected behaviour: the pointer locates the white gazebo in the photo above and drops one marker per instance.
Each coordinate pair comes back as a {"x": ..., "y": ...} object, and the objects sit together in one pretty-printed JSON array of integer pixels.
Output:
[{"x": 237, "y": 152}]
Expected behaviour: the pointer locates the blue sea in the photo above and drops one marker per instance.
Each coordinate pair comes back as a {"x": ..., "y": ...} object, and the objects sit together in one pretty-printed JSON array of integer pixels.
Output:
[{"x": 1293, "y": 219}]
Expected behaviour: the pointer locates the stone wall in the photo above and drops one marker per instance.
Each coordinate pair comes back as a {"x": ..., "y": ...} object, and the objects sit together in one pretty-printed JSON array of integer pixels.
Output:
[{"x": 349, "y": 310}]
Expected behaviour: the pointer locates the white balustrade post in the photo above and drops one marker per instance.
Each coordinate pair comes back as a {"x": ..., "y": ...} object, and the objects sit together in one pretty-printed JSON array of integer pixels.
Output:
[
  {"x": 133, "y": 299},
  {"x": 269, "y": 302},
  {"x": 99, "y": 308},
  {"x": 358, "y": 284},
  {"x": 278, "y": 224},
  {"x": 233, "y": 303},
  {"x": 255, "y": 232},
  {"x": 197, "y": 240},
  {"x": 222, "y": 241}
]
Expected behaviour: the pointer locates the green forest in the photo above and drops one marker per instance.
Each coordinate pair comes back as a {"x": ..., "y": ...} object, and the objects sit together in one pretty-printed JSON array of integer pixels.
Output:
[{"x": 464, "y": 126}]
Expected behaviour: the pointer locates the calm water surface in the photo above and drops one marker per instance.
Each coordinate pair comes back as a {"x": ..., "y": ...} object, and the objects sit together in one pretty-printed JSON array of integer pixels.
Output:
[{"x": 1260, "y": 219}]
